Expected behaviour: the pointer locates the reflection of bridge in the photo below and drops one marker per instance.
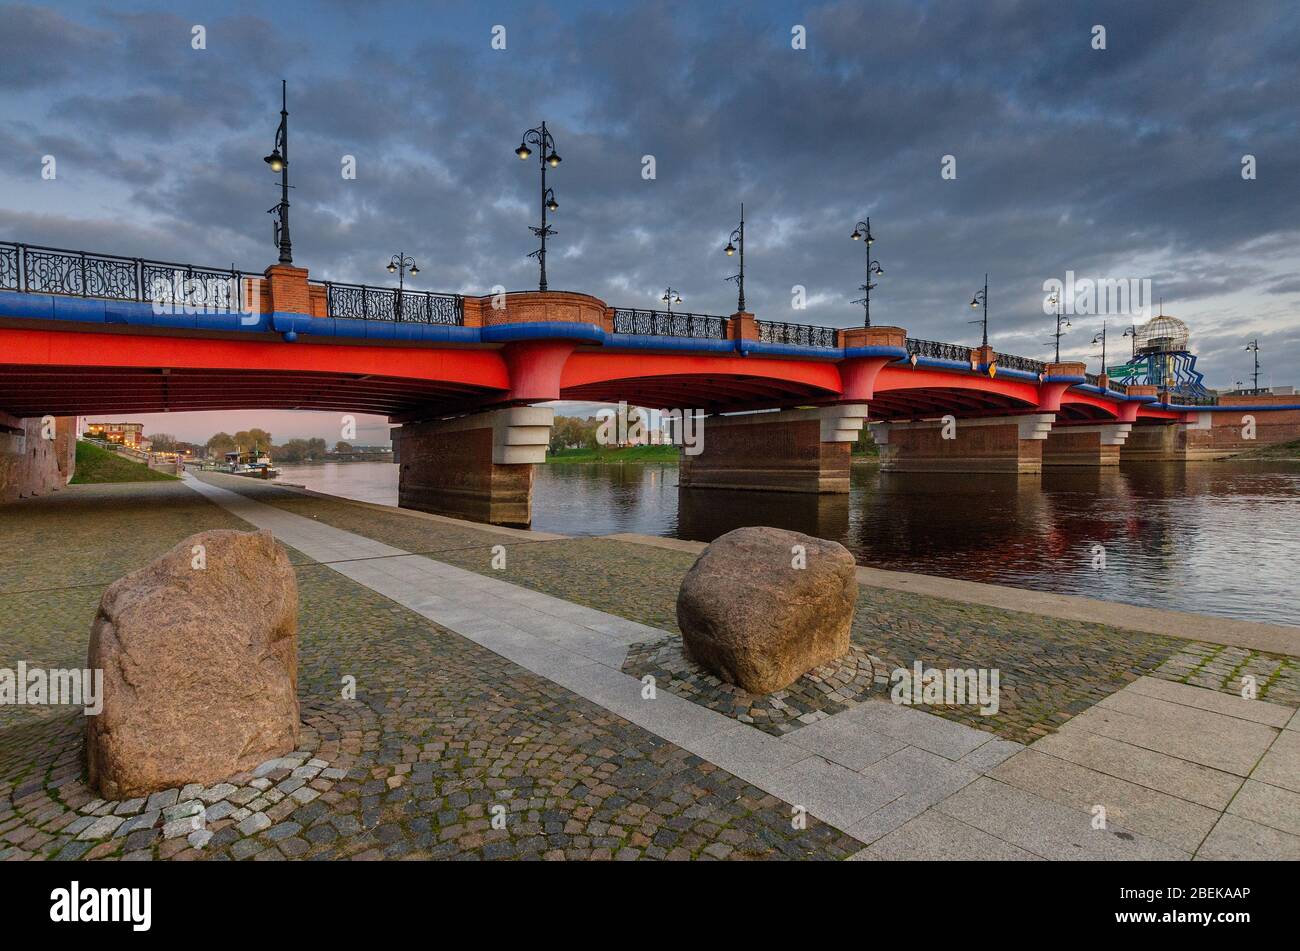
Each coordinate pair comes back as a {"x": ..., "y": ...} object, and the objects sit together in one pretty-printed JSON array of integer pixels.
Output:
[{"x": 91, "y": 334}]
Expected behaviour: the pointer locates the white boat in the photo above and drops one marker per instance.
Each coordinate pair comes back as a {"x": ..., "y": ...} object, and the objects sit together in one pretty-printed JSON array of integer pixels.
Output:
[{"x": 254, "y": 463}]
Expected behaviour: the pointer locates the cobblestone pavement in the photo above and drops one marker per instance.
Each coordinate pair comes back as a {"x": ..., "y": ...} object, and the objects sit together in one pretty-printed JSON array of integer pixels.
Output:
[
  {"x": 441, "y": 731},
  {"x": 818, "y": 694},
  {"x": 1226, "y": 669},
  {"x": 1050, "y": 669}
]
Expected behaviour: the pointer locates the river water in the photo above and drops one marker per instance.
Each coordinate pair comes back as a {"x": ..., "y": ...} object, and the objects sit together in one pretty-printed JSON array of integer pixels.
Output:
[{"x": 1215, "y": 538}]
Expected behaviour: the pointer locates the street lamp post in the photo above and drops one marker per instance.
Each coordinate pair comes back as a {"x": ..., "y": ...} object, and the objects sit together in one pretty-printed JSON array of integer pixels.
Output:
[
  {"x": 862, "y": 232},
  {"x": 279, "y": 162},
  {"x": 402, "y": 265},
  {"x": 1253, "y": 347},
  {"x": 1132, "y": 331},
  {"x": 671, "y": 297},
  {"x": 1101, "y": 338},
  {"x": 1056, "y": 299},
  {"x": 982, "y": 297},
  {"x": 738, "y": 238},
  {"x": 547, "y": 157}
]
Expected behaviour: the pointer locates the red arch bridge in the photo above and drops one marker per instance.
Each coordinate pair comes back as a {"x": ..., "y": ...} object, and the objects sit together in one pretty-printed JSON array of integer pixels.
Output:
[{"x": 85, "y": 334}]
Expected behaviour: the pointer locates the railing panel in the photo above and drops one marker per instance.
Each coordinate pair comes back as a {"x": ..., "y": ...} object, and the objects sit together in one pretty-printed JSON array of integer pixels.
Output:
[
  {"x": 78, "y": 274},
  {"x": 363, "y": 302},
  {"x": 190, "y": 287},
  {"x": 1013, "y": 362},
  {"x": 9, "y": 267},
  {"x": 661, "y": 323},
  {"x": 937, "y": 350},
  {"x": 799, "y": 335}
]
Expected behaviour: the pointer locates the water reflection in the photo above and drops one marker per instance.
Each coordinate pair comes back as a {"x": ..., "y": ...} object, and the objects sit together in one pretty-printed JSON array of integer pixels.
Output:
[{"x": 1216, "y": 538}]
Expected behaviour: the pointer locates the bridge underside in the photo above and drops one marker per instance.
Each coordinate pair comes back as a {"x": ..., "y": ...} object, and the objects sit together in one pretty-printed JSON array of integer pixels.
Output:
[{"x": 91, "y": 391}]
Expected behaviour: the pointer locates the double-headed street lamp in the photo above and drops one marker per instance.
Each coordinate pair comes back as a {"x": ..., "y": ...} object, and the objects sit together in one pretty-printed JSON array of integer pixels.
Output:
[
  {"x": 547, "y": 157},
  {"x": 737, "y": 239},
  {"x": 1100, "y": 337},
  {"x": 1132, "y": 331},
  {"x": 1056, "y": 299},
  {"x": 279, "y": 162},
  {"x": 862, "y": 232},
  {"x": 402, "y": 265},
  {"x": 982, "y": 297},
  {"x": 1253, "y": 347},
  {"x": 671, "y": 297}
]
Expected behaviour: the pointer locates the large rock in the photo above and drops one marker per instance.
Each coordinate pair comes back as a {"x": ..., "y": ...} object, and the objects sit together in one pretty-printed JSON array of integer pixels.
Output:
[
  {"x": 200, "y": 666},
  {"x": 754, "y": 620}
]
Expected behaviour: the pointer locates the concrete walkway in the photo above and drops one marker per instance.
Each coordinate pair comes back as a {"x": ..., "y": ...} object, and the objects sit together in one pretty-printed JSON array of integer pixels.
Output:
[{"x": 1177, "y": 768}]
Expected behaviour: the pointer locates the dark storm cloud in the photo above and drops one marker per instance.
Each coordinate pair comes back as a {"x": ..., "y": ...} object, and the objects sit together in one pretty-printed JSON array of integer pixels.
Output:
[{"x": 1122, "y": 163}]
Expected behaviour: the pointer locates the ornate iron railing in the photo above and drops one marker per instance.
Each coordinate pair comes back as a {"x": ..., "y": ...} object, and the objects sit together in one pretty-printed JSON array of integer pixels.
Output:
[
  {"x": 661, "y": 323},
  {"x": 363, "y": 302},
  {"x": 1116, "y": 386},
  {"x": 40, "y": 270},
  {"x": 1012, "y": 362},
  {"x": 937, "y": 350},
  {"x": 1188, "y": 399},
  {"x": 799, "y": 335}
]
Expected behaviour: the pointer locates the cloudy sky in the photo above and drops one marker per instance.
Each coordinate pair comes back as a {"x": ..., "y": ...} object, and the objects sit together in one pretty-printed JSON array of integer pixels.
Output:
[{"x": 1122, "y": 163}]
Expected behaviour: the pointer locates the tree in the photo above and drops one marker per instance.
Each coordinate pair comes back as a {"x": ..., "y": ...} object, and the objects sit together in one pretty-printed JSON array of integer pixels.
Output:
[
  {"x": 253, "y": 439},
  {"x": 341, "y": 446},
  {"x": 164, "y": 442},
  {"x": 220, "y": 444}
]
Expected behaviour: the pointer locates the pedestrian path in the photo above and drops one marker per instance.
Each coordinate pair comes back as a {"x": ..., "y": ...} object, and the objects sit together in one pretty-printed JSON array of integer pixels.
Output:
[{"x": 910, "y": 784}]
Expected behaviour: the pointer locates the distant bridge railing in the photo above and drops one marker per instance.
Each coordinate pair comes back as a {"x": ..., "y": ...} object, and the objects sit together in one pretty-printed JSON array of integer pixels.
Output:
[
  {"x": 363, "y": 302},
  {"x": 661, "y": 323},
  {"x": 1188, "y": 399},
  {"x": 799, "y": 335},
  {"x": 36, "y": 269},
  {"x": 937, "y": 350}
]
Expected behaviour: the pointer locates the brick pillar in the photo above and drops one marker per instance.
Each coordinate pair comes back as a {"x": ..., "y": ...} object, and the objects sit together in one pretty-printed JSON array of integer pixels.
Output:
[
  {"x": 476, "y": 467},
  {"x": 985, "y": 444},
  {"x": 32, "y": 464},
  {"x": 741, "y": 326},
  {"x": 790, "y": 451},
  {"x": 288, "y": 289}
]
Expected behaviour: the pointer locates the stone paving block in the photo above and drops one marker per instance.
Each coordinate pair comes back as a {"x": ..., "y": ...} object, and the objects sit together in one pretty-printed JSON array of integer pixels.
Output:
[
  {"x": 936, "y": 837},
  {"x": 1169, "y": 774},
  {"x": 1272, "y": 806},
  {"x": 254, "y": 823},
  {"x": 100, "y": 828},
  {"x": 1257, "y": 711},
  {"x": 1046, "y": 828},
  {"x": 1233, "y": 746},
  {"x": 925, "y": 730},
  {"x": 845, "y": 740},
  {"x": 1281, "y": 764},
  {"x": 1129, "y": 806},
  {"x": 182, "y": 826},
  {"x": 984, "y": 758},
  {"x": 1236, "y": 838},
  {"x": 831, "y": 792}
]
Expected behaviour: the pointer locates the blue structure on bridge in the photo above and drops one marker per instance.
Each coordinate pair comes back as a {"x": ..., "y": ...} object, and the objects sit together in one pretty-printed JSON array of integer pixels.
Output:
[{"x": 1161, "y": 359}]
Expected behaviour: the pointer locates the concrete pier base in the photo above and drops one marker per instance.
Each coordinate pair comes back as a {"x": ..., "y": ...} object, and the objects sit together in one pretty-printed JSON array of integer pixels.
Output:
[
  {"x": 802, "y": 450},
  {"x": 986, "y": 444},
  {"x": 1155, "y": 443},
  {"x": 476, "y": 467},
  {"x": 1090, "y": 445}
]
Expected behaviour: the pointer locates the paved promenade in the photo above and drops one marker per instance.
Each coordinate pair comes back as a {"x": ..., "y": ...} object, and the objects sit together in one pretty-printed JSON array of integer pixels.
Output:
[{"x": 518, "y": 686}]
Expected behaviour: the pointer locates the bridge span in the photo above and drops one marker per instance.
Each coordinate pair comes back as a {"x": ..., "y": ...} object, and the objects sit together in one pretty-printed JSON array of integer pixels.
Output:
[{"x": 84, "y": 334}]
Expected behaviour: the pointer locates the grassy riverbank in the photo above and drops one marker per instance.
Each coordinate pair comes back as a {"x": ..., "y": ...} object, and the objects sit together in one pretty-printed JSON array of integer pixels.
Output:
[
  {"x": 616, "y": 455},
  {"x": 97, "y": 465},
  {"x": 1283, "y": 450}
]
